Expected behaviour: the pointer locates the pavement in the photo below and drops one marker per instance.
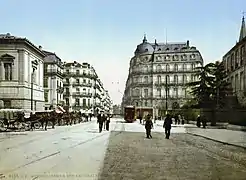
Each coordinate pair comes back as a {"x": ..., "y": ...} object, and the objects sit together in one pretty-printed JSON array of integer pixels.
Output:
[{"x": 81, "y": 152}]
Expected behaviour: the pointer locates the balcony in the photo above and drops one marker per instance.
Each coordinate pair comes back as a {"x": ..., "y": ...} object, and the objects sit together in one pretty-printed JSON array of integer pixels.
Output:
[
  {"x": 82, "y": 84},
  {"x": 83, "y": 75},
  {"x": 171, "y": 83},
  {"x": 142, "y": 84},
  {"x": 82, "y": 94},
  {"x": 53, "y": 72},
  {"x": 67, "y": 94}
]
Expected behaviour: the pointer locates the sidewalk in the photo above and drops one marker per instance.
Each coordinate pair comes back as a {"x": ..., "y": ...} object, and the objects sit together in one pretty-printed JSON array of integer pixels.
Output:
[{"x": 230, "y": 137}]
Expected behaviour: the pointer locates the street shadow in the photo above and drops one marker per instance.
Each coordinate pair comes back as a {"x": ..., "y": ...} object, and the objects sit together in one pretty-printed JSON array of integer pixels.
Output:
[{"x": 93, "y": 131}]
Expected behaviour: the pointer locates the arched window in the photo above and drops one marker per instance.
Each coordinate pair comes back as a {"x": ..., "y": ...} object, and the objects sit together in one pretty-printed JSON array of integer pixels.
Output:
[
  {"x": 159, "y": 79},
  {"x": 158, "y": 67},
  {"x": 175, "y": 79},
  {"x": 168, "y": 67},
  {"x": 168, "y": 79},
  {"x": 175, "y": 67}
]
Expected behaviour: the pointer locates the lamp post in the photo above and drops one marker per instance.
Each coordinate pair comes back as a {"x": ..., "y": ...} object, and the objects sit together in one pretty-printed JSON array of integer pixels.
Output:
[
  {"x": 32, "y": 77},
  {"x": 166, "y": 94}
]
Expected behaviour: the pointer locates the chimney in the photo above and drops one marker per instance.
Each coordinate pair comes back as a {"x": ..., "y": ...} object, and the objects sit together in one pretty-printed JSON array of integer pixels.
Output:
[
  {"x": 40, "y": 47},
  {"x": 188, "y": 43}
]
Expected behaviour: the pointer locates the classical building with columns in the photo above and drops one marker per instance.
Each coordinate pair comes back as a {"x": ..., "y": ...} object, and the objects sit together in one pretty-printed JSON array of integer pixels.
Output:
[
  {"x": 158, "y": 74},
  {"x": 21, "y": 73},
  {"x": 53, "y": 80},
  {"x": 235, "y": 63}
]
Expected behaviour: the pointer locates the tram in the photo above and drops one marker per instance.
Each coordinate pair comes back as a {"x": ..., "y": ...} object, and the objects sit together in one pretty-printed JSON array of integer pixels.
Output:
[{"x": 129, "y": 114}]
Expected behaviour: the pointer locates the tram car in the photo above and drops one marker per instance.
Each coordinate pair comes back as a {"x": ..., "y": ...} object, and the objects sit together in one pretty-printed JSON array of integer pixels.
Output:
[{"x": 129, "y": 114}]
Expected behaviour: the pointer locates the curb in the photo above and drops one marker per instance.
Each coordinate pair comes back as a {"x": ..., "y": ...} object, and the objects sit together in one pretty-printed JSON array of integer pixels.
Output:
[{"x": 226, "y": 143}]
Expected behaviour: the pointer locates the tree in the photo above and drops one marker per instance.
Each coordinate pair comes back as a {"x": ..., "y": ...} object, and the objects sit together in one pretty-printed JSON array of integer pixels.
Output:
[
  {"x": 220, "y": 86},
  {"x": 202, "y": 89}
]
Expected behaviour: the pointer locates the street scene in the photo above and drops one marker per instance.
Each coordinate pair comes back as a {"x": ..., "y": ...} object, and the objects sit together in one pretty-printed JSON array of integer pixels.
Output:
[
  {"x": 123, "y": 90},
  {"x": 123, "y": 153}
]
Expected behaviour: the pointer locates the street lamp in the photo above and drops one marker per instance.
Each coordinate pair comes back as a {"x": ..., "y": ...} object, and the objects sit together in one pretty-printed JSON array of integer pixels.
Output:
[{"x": 32, "y": 78}]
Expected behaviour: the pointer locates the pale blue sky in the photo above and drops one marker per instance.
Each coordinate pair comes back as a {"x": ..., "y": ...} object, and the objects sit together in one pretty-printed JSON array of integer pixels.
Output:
[{"x": 105, "y": 33}]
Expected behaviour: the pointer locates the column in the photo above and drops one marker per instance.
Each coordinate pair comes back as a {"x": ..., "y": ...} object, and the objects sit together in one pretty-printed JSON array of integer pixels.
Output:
[{"x": 2, "y": 71}]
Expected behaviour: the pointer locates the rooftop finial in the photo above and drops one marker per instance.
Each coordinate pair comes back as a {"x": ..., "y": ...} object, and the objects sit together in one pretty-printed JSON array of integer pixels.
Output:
[{"x": 144, "y": 40}]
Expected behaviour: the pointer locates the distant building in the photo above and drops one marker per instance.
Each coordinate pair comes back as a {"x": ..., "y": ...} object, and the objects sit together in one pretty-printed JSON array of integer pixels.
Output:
[
  {"x": 21, "y": 73},
  {"x": 83, "y": 90},
  {"x": 158, "y": 73},
  {"x": 235, "y": 64},
  {"x": 53, "y": 80}
]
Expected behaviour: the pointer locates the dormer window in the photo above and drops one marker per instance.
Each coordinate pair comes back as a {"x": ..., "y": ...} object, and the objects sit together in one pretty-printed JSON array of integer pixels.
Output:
[
  {"x": 192, "y": 56},
  {"x": 167, "y": 49},
  {"x": 146, "y": 50},
  {"x": 176, "y": 49},
  {"x": 159, "y": 49},
  {"x": 167, "y": 57}
]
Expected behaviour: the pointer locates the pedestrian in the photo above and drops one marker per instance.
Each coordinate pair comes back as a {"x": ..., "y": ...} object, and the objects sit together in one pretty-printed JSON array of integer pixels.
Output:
[
  {"x": 107, "y": 122},
  {"x": 140, "y": 118},
  {"x": 176, "y": 119},
  {"x": 148, "y": 126},
  {"x": 167, "y": 125},
  {"x": 198, "y": 121},
  {"x": 104, "y": 118},
  {"x": 100, "y": 122},
  {"x": 204, "y": 122}
]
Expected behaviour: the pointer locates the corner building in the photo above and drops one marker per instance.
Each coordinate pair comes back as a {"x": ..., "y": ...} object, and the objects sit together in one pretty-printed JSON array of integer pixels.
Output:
[
  {"x": 157, "y": 76},
  {"x": 21, "y": 73}
]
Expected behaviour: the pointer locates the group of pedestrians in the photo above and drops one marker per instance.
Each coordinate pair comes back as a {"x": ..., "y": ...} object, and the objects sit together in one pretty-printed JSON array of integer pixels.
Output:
[
  {"x": 103, "y": 120},
  {"x": 149, "y": 125},
  {"x": 201, "y": 120}
]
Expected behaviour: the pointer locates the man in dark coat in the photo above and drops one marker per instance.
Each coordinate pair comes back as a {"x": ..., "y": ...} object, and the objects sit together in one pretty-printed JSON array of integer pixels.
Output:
[
  {"x": 107, "y": 122},
  {"x": 198, "y": 121},
  {"x": 100, "y": 121},
  {"x": 148, "y": 126},
  {"x": 167, "y": 125}
]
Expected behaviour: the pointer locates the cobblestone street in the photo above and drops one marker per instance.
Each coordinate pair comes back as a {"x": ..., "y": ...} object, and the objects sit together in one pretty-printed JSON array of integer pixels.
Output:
[{"x": 131, "y": 156}]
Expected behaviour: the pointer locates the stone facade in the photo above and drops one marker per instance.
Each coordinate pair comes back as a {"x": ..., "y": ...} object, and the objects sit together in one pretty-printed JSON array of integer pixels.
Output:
[
  {"x": 159, "y": 71},
  {"x": 53, "y": 80},
  {"x": 235, "y": 64},
  {"x": 20, "y": 62},
  {"x": 83, "y": 90}
]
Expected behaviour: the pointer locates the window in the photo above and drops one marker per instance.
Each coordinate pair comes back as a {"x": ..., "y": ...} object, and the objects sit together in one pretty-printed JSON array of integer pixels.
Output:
[
  {"x": 84, "y": 80},
  {"x": 67, "y": 71},
  {"x": 77, "y": 90},
  {"x": 175, "y": 79},
  {"x": 7, "y": 103},
  {"x": 89, "y": 102},
  {"x": 146, "y": 79},
  {"x": 159, "y": 92},
  {"x": 84, "y": 102},
  {"x": 159, "y": 79},
  {"x": 184, "y": 78},
  {"x": 175, "y": 67},
  {"x": 46, "y": 82},
  {"x": 67, "y": 80},
  {"x": 184, "y": 92},
  {"x": 146, "y": 103},
  {"x": 145, "y": 92},
  {"x": 168, "y": 67},
  {"x": 159, "y": 67},
  {"x": 77, "y": 81},
  {"x": 67, "y": 101},
  {"x": 77, "y": 72},
  {"x": 167, "y": 78},
  {"x": 77, "y": 102},
  {"x": 8, "y": 71},
  {"x": 168, "y": 92},
  {"x": 46, "y": 93},
  {"x": 184, "y": 67},
  {"x": 175, "y": 93},
  {"x": 137, "y": 92}
]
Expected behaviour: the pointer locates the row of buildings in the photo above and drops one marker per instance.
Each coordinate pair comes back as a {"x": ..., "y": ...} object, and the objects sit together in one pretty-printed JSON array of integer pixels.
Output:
[
  {"x": 35, "y": 79},
  {"x": 159, "y": 71}
]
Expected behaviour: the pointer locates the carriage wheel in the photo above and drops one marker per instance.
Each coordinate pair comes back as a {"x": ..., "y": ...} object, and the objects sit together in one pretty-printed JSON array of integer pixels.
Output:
[
  {"x": 27, "y": 126},
  {"x": 37, "y": 125},
  {"x": 3, "y": 127},
  {"x": 17, "y": 125}
]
